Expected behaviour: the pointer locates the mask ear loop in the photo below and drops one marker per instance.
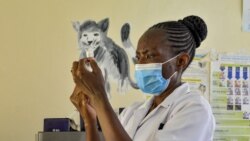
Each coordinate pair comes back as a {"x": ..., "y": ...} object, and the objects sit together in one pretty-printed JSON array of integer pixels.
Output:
[
  {"x": 172, "y": 75},
  {"x": 171, "y": 59}
]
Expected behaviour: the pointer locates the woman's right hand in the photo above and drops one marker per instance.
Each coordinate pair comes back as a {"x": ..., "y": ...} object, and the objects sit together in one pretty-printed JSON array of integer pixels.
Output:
[
  {"x": 91, "y": 83},
  {"x": 82, "y": 104}
]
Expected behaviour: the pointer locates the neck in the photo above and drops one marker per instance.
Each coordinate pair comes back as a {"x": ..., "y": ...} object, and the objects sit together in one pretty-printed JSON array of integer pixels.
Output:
[{"x": 158, "y": 99}]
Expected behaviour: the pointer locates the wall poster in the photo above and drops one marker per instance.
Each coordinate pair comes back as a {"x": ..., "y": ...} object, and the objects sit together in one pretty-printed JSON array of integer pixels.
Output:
[{"x": 230, "y": 97}]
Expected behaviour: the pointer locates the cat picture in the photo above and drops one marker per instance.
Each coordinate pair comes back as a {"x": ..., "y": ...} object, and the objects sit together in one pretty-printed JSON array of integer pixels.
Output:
[{"x": 112, "y": 59}]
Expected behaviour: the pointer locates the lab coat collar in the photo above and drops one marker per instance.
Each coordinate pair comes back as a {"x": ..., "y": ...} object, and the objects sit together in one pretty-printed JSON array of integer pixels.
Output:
[
  {"x": 182, "y": 89},
  {"x": 139, "y": 114},
  {"x": 147, "y": 104},
  {"x": 178, "y": 92},
  {"x": 143, "y": 109}
]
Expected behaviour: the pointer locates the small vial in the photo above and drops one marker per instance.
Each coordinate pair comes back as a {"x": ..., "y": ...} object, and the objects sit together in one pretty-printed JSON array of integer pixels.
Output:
[{"x": 89, "y": 54}]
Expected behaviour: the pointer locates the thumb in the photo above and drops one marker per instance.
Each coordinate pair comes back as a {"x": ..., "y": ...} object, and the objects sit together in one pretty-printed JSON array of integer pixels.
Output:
[
  {"x": 82, "y": 101},
  {"x": 83, "y": 109},
  {"x": 94, "y": 65}
]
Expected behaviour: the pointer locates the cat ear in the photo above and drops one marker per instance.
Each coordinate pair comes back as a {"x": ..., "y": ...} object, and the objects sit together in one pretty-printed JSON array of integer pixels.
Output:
[
  {"x": 76, "y": 26},
  {"x": 104, "y": 25}
]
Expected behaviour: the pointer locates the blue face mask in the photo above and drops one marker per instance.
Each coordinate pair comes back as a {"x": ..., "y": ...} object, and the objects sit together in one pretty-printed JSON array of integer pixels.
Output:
[{"x": 149, "y": 77}]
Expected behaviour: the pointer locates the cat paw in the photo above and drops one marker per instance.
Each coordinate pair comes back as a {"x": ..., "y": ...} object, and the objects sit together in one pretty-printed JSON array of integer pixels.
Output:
[{"x": 123, "y": 86}]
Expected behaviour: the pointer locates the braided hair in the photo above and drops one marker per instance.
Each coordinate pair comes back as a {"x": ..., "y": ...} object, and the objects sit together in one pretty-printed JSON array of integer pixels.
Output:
[{"x": 184, "y": 35}]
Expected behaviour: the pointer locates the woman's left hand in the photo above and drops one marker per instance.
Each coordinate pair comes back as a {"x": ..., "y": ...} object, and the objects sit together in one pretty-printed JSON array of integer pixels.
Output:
[
  {"x": 93, "y": 85},
  {"x": 92, "y": 82},
  {"x": 81, "y": 102}
]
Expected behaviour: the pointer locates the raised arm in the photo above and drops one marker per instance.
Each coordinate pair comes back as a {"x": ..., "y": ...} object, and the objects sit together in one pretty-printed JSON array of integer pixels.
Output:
[
  {"x": 87, "y": 112},
  {"x": 92, "y": 83}
]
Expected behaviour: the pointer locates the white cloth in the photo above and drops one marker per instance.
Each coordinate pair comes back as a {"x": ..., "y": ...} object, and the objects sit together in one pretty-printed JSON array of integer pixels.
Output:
[{"x": 186, "y": 117}]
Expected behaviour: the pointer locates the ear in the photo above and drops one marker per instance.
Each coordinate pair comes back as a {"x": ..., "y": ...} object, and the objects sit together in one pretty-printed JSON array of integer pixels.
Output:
[
  {"x": 76, "y": 26},
  {"x": 183, "y": 60},
  {"x": 104, "y": 25}
]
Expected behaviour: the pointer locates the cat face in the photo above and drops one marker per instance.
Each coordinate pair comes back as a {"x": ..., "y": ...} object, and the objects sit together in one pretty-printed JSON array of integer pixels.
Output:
[
  {"x": 91, "y": 35},
  {"x": 90, "y": 39}
]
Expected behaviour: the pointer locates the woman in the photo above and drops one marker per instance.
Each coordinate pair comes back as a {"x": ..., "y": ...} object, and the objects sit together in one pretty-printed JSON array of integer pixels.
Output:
[{"x": 173, "y": 113}]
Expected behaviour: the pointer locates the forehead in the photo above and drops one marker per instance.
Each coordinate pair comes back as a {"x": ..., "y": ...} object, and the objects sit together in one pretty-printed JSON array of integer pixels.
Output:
[{"x": 154, "y": 39}]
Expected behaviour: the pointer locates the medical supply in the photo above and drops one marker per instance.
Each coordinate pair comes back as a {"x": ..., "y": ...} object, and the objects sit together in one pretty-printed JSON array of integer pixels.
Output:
[{"x": 150, "y": 79}]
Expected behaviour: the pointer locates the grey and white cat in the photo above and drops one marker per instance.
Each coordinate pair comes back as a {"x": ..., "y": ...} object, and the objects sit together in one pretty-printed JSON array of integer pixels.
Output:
[{"x": 112, "y": 59}]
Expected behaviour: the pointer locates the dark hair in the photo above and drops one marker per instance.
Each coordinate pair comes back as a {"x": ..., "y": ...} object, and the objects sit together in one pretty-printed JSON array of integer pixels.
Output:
[{"x": 184, "y": 35}]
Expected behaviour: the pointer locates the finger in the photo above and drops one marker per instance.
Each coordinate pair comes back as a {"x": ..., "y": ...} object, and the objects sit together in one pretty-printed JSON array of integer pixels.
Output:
[
  {"x": 81, "y": 87},
  {"x": 82, "y": 66},
  {"x": 74, "y": 94},
  {"x": 94, "y": 65},
  {"x": 85, "y": 98},
  {"x": 77, "y": 89},
  {"x": 77, "y": 95},
  {"x": 77, "y": 81},
  {"x": 83, "y": 111},
  {"x": 83, "y": 104},
  {"x": 75, "y": 101},
  {"x": 74, "y": 68},
  {"x": 84, "y": 88}
]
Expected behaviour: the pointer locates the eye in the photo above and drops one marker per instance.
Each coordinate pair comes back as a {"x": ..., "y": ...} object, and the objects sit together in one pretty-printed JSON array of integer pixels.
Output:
[
  {"x": 150, "y": 56},
  {"x": 85, "y": 35},
  {"x": 137, "y": 58},
  {"x": 96, "y": 34}
]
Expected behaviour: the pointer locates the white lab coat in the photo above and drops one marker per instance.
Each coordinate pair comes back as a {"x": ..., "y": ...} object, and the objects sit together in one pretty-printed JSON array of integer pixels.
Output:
[{"x": 186, "y": 117}]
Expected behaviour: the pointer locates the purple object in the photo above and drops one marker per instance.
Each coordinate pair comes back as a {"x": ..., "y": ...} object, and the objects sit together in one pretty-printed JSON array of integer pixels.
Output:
[{"x": 56, "y": 124}]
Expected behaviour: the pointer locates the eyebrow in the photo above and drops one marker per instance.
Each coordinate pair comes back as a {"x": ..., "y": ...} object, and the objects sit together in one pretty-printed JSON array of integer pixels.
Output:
[{"x": 143, "y": 51}]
